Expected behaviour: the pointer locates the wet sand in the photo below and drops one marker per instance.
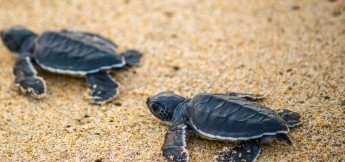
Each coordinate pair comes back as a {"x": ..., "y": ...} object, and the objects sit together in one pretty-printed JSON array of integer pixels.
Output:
[{"x": 293, "y": 52}]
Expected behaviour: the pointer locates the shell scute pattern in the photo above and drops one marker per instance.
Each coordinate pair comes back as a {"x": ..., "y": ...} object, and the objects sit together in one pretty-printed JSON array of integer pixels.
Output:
[
  {"x": 54, "y": 50},
  {"x": 229, "y": 116}
]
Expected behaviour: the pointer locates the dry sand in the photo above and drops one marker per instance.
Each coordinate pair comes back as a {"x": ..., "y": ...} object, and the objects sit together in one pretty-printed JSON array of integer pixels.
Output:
[{"x": 291, "y": 51}]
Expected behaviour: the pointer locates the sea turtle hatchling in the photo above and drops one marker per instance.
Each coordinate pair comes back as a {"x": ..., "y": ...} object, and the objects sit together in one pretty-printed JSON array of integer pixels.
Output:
[
  {"x": 66, "y": 52},
  {"x": 230, "y": 116}
]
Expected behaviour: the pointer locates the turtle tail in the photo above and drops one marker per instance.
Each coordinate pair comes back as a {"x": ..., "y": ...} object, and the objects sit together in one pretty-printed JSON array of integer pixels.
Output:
[{"x": 132, "y": 57}]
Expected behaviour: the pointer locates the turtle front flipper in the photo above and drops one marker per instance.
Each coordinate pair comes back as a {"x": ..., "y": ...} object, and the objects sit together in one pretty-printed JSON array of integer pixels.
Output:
[
  {"x": 291, "y": 118},
  {"x": 248, "y": 151},
  {"x": 26, "y": 78},
  {"x": 103, "y": 87},
  {"x": 174, "y": 145},
  {"x": 247, "y": 96}
]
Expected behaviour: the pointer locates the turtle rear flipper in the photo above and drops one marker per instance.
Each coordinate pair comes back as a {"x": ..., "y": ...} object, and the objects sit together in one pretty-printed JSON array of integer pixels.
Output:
[
  {"x": 132, "y": 57},
  {"x": 247, "y": 151},
  {"x": 27, "y": 80},
  {"x": 291, "y": 118},
  {"x": 103, "y": 87},
  {"x": 247, "y": 96}
]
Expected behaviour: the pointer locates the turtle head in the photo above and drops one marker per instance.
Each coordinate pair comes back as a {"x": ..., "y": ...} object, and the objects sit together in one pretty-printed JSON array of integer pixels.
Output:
[
  {"x": 17, "y": 39},
  {"x": 163, "y": 105}
]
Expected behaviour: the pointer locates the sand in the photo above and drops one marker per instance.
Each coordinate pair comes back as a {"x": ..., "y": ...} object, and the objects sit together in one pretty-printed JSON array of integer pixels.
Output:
[{"x": 293, "y": 52}]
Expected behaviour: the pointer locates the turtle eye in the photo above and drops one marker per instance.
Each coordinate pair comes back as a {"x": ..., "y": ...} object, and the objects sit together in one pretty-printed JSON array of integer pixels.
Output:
[
  {"x": 5, "y": 38},
  {"x": 155, "y": 107}
]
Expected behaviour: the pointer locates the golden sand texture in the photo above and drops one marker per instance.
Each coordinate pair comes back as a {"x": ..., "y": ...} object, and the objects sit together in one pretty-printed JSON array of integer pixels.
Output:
[{"x": 292, "y": 51}]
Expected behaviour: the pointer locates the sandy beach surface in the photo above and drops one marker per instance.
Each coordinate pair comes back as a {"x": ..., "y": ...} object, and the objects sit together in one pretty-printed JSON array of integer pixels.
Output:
[{"x": 293, "y": 52}]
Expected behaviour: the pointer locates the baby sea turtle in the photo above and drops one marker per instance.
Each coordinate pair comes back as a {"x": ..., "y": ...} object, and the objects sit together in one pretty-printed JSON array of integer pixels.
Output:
[
  {"x": 67, "y": 52},
  {"x": 228, "y": 116}
]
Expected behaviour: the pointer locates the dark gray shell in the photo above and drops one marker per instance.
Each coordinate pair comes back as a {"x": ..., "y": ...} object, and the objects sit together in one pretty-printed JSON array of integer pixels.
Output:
[
  {"x": 73, "y": 53},
  {"x": 232, "y": 118}
]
